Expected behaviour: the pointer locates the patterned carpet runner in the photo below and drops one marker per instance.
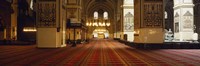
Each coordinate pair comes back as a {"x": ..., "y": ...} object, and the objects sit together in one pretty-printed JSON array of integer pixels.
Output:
[{"x": 99, "y": 52}]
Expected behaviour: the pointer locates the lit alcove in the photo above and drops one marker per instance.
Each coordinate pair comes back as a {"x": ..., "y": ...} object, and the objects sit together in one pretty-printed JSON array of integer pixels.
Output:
[{"x": 101, "y": 33}]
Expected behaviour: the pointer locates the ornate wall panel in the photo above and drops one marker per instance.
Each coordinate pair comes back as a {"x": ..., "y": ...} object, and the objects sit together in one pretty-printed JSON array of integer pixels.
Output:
[
  {"x": 46, "y": 14},
  {"x": 129, "y": 22},
  {"x": 153, "y": 13},
  {"x": 187, "y": 21}
]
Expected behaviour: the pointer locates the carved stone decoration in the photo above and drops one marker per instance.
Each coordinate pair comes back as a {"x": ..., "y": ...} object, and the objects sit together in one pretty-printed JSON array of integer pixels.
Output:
[
  {"x": 128, "y": 24},
  {"x": 153, "y": 16},
  {"x": 46, "y": 14},
  {"x": 188, "y": 18},
  {"x": 149, "y": 21}
]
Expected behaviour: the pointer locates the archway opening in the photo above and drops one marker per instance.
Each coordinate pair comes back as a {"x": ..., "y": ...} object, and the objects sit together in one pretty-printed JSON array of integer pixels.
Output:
[{"x": 100, "y": 33}]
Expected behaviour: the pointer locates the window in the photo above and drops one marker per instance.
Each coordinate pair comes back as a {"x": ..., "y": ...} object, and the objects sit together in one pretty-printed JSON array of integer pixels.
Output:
[
  {"x": 105, "y": 15},
  {"x": 95, "y": 15},
  {"x": 31, "y": 5},
  {"x": 165, "y": 15}
]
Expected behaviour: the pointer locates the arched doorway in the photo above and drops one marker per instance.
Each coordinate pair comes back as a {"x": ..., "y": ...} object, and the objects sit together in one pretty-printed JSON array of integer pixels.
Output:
[{"x": 100, "y": 33}]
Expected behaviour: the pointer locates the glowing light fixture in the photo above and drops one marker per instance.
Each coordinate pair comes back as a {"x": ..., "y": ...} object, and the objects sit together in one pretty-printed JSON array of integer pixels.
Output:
[
  {"x": 98, "y": 22},
  {"x": 29, "y": 29}
]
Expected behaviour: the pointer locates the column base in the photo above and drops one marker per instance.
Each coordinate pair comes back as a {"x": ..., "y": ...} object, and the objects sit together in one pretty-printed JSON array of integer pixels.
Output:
[
  {"x": 149, "y": 35},
  {"x": 130, "y": 36},
  {"x": 48, "y": 38}
]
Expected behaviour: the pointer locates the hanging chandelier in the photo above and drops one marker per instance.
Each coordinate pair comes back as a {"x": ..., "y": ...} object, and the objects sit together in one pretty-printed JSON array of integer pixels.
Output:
[{"x": 98, "y": 22}]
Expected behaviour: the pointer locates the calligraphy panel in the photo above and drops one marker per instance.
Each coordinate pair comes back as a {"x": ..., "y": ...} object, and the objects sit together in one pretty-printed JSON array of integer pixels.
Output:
[
  {"x": 46, "y": 14},
  {"x": 153, "y": 13}
]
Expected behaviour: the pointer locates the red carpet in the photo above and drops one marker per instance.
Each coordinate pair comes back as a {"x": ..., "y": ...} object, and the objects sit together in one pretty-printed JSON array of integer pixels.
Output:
[{"x": 97, "y": 53}]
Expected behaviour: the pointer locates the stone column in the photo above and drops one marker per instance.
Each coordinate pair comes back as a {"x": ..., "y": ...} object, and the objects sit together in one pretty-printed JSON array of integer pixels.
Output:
[
  {"x": 183, "y": 20},
  {"x": 128, "y": 20},
  {"x": 49, "y": 18},
  {"x": 149, "y": 21}
]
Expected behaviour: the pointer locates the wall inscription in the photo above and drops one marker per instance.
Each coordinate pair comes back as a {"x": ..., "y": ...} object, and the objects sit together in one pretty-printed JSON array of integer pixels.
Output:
[
  {"x": 153, "y": 13},
  {"x": 46, "y": 14}
]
